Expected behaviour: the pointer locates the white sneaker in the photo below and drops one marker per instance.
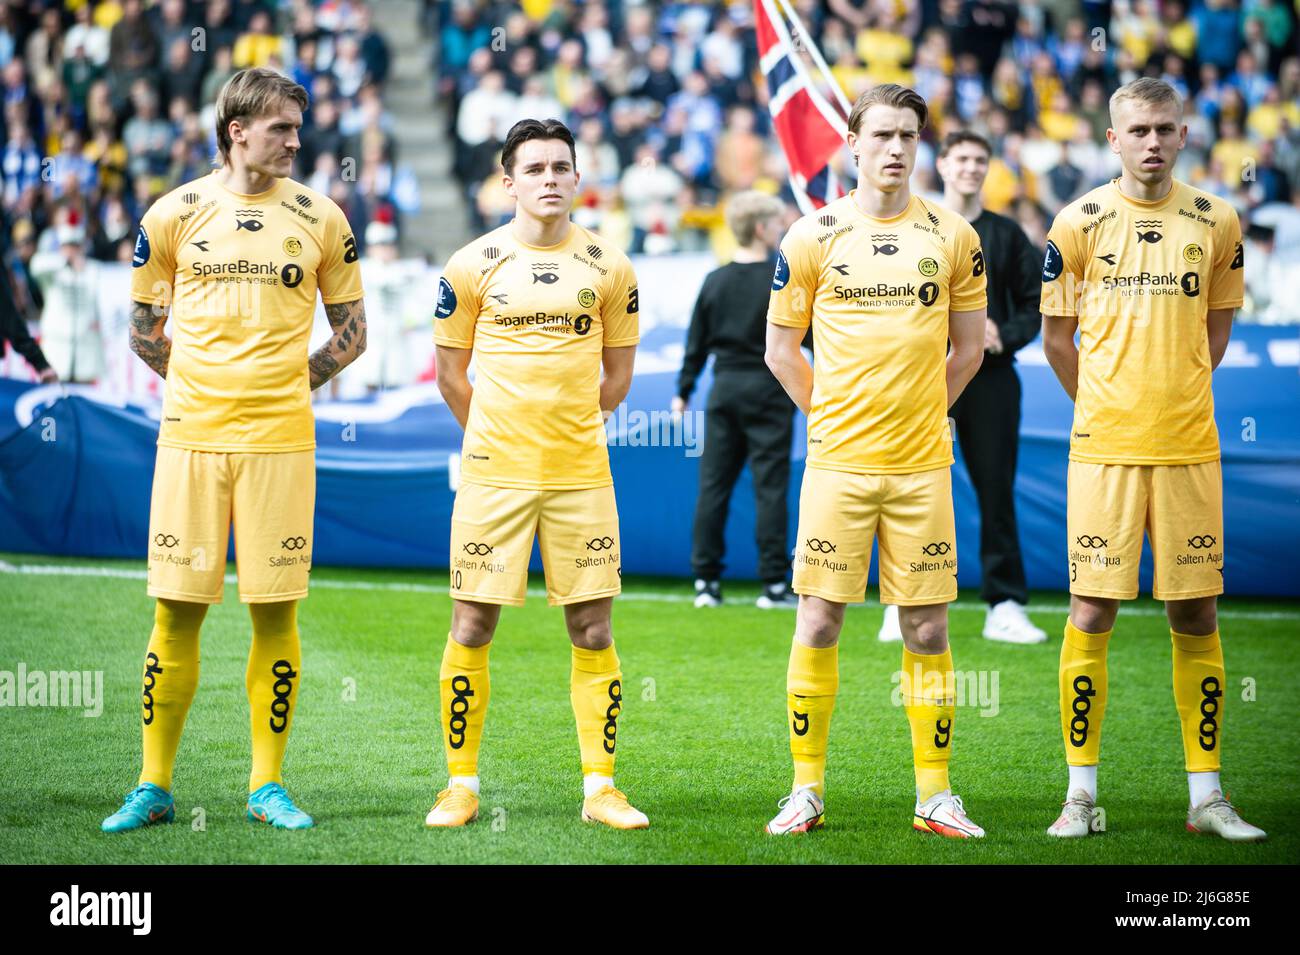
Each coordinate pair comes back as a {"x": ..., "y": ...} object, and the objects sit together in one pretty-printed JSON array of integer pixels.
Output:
[
  {"x": 944, "y": 815},
  {"x": 801, "y": 811},
  {"x": 1008, "y": 623},
  {"x": 777, "y": 597},
  {"x": 1216, "y": 815},
  {"x": 890, "y": 631},
  {"x": 1075, "y": 820},
  {"x": 708, "y": 593}
]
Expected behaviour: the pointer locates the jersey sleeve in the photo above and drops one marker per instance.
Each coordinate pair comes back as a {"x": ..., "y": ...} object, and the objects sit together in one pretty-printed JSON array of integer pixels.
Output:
[
  {"x": 1227, "y": 276},
  {"x": 153, "y": 269},
  {"x": 967, "y": 289},
  {"x": 620, "y": 308},
  {"x": 458, "y": 305},
  {"x": 339, "y": 274},
  {"x": 794, "y": 283},
  {"x": 1062, "y": 271}
]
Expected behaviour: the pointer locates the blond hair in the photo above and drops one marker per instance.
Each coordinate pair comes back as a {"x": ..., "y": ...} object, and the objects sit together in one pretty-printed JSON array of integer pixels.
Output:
[
  {"x": 250, "y": 94},
  {"x": 1147, "y": 90},
  {"x": 888, "y": 94},
  {"x": 745, "y": 210}
]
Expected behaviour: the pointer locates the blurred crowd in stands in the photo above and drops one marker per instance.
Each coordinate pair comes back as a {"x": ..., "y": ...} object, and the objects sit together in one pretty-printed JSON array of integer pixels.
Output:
[
  {"x": 670, "y": 110},
  {"x": 108, "y": 105}
]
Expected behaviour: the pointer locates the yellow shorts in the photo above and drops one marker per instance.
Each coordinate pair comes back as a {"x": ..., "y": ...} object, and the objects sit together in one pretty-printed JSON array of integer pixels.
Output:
[
  {"x": 911, "y": 515},
  {"x": 1180, "y": 507},
  {"x": 271, "y": 497},
  {"x": 492, "y": 532}
]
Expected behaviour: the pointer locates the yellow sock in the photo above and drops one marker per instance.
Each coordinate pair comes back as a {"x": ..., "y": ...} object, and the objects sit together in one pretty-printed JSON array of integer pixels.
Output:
[
  {"x": 171, "y": 673},
  {"x": 1083, "y": 694},
  {"x": 812, "y": 681},
  {"x": 1198, "y": 692},
  {"x": 464, "y": 688},
  {"x": 272, "y": 678},
  {"x": 596, "y": 690},
  {"x": 929, "y": 701}
]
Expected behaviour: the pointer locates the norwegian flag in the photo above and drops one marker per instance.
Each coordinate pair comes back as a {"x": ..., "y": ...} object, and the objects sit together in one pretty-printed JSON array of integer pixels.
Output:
[{"x": 810, "y": 129}]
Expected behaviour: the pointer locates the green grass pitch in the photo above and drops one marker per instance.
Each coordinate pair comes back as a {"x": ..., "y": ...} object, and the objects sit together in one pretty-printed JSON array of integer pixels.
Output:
[{"x": 702, "y": 740}]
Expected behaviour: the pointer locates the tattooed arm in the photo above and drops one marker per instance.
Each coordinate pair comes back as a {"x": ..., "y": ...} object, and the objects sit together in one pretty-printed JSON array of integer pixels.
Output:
[
  {"x": 147, "y": 338},
  {"x": 348, "y": 319}
]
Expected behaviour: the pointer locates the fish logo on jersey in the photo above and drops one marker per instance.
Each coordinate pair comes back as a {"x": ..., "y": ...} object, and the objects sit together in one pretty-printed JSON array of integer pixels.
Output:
[
  {"x": 249, "y": 220},
  {"x": 884, "y": 244},
  {"x": 1146, "y": 230},
  {"x": 542, "y": 274}
]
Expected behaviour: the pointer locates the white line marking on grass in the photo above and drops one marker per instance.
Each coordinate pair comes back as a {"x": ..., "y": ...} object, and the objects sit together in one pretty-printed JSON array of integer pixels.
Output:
[{"x": 59, "y": 570}]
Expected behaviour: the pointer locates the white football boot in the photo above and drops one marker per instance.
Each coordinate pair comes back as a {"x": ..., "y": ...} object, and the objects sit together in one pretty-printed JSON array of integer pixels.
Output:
[
  {"x": 1075, "y": 820},
  {"x": 944, "y": 815},
  {"x": 1216, "y": 815},
  {"x": 1007, "y": 622},
  {"x": 801, "y": 811}
]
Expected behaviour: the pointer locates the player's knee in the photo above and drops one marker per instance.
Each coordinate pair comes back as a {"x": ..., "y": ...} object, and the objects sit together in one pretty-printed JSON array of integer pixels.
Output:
[
  {"x": 1093, "y": 614},
  {"x": 819, "y": 622},
  {"x": 472, "y": 625},
  {"x": 925, "y": 631},
  {"x": 1197, "y": 617}
]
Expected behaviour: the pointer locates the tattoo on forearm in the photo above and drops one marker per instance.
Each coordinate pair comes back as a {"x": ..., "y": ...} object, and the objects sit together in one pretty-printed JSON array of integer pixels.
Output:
[
  {"x": 323, "y": 366},
  {"x": 348, "y": 320},
  {"x": 147, "y": 338}
]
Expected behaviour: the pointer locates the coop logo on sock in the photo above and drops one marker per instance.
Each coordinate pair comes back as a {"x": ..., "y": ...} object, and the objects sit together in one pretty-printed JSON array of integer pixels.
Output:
[
  {"x": 611, "y": 714},
  {"x": 151, "y": 669},
  {"x": 1083, "y": 694},
  {"x": 459, "y": 707},
  {"x": 283, "y": 686},
  {"x": 1209, "y": 728},
  {"x": 74, "y": 907}
]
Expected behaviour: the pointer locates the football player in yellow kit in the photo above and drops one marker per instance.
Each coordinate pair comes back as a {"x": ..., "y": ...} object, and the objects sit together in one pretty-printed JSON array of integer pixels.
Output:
[
  {"x": 235, "y": 259},
  {"x": 1149, "y": 271},
  {"x": 541, "y": 304},
  {"x": 887, "y": 280}
]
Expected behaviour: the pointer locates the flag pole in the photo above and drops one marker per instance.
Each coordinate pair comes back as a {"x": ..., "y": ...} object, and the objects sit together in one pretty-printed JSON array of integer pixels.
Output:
[{"x": 787, "y": 7}]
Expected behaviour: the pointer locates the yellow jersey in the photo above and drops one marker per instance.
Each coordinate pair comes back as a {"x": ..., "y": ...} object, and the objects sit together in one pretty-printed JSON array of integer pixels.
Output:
[
  {"x": 538, "y": 320},
  {"x": 240, "y": 274},
  {"x": 877, "y": 293},
  {"x": 1140, "y": 278}
]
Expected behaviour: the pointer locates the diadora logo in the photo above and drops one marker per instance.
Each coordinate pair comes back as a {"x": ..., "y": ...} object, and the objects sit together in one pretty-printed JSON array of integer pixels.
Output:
[
  {"x": 460, "y": 694},
  {"x": 1201, "y": 541},
  {"x": 1090, "y": 208},
  {"x": 284, "y": 674},
  {"x": 798, "y": 723},
  {"x": 883, "y": 244},
  {"x": 842, "y": 269},
  {"x": 200, "y": 244},
  {"x": 611, "y": 715},
  {"x": 1146, "y": 230},
  {"x": 820, "y": 546},
  {"x": 151, "y": 670},
  {"x": 1088, "y": 540},
  {"x": 499, "y": 296},
  {"x": 293, "y": 543},
  {"x": 1108, "y": 258},
  {"x": 936, "y": 548},
  {"x": 1082, "y": 705},
  {"x": 477, "y": 549},
  {"x": 166, "y": 540},
  {"x": 942, "y": 733},
  {"x": 248, "y": 219},
  {"x": 600, "y": 543},
  {"x": 1209, "y": 728},
  {"x": 595, "y": 251},
  {"x": 302, "y": 200},
  {"x": 545, "y": 273}
]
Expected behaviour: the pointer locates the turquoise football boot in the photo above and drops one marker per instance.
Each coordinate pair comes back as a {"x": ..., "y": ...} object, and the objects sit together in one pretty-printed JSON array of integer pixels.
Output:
[
  {"x": 272, "y": 805},
  {"x": 143, "y": 806}
]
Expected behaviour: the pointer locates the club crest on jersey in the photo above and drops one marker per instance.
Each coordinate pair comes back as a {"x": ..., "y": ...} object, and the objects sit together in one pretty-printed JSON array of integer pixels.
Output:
[
  {"x": 586, "y": 298},
  {"x": 1053, "y": 263},
  {"x": 292, "y": 246},
  {"x": 141, "y": 254},
  {"x": 446, "y": 299},
  {"x": 782, "y": 274},
  {"x": 928, "y": 266}
]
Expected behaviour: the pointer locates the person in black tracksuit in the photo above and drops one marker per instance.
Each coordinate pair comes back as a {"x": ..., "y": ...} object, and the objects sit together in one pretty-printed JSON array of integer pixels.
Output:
[
  {"x": 749, "y": 416},
  {"x": 988, "y": 412},
  {"x": 13, "y": 329}
]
